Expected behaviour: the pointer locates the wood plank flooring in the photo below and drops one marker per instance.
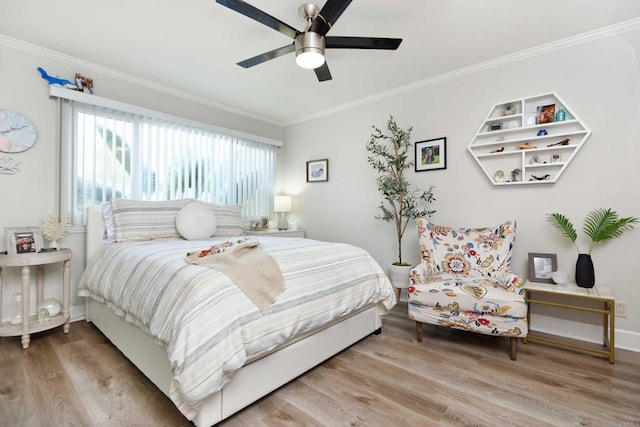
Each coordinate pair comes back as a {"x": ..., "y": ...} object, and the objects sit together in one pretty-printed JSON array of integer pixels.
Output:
[{"x": 452, "y": 378}]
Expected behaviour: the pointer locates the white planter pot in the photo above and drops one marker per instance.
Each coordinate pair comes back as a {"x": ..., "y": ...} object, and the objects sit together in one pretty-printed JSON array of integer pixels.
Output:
[{"x": 399, "y": 275}]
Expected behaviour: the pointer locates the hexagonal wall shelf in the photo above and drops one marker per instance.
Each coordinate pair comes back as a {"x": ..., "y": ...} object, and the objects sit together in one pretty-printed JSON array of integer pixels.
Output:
[{"x": 528, "y": 141}]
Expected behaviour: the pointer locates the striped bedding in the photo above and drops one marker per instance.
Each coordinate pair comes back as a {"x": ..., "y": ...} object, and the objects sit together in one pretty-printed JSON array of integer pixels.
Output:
[{"x": 209, "y": 328}]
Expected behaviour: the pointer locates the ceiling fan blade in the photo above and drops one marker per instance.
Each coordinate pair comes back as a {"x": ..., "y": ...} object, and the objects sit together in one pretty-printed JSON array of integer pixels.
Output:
[
  {"x": 329, "y": 14},
  {"x": 260, "y": 16},
  {"x": 323, "y": 73},
  {"x": 263, "y": 57},
  {"x": 362, "y": 43}
]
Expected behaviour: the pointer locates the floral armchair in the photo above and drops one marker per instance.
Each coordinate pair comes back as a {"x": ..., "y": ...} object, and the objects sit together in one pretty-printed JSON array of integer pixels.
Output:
[{"x": 465, "y": 282}]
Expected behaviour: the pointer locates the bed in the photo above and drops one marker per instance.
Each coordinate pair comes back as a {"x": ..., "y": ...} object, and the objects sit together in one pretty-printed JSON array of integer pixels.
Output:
[{"x": 271, "y": 350}]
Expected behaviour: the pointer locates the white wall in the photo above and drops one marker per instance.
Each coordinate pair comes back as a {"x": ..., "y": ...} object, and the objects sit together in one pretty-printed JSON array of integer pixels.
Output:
[
  {"x": 599, "y": 80},
  {"x": 32, "y": 193}
]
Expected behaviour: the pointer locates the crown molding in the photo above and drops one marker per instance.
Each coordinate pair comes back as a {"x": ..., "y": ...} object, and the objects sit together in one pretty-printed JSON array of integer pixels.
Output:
[
  {"x": 601, "y": 33},
  {"x": 129, "y": 78}
]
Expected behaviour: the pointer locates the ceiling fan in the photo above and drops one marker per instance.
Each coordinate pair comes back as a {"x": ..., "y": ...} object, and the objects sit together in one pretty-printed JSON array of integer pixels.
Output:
[{"x": 310, "y": 44}]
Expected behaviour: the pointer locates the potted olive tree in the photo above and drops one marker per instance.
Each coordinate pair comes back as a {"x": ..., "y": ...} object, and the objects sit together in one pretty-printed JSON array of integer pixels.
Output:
[
  {"x": 600, "y": 225},
  {"x": 389, "y": 155}
]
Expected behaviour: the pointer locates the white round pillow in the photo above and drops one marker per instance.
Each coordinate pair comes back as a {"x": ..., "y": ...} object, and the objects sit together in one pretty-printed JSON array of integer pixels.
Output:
[{"x": 196, "y": 221}]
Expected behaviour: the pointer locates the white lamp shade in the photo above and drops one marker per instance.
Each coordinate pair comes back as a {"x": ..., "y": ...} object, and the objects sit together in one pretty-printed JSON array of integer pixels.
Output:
[{"x": 282, "y": 204}]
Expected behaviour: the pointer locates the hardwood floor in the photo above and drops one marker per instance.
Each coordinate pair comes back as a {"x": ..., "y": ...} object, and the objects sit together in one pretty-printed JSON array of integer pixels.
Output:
[{"x": 451, "y": 378}]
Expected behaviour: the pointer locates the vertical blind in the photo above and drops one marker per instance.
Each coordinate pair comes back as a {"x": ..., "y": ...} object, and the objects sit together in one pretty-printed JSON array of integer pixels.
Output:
[{"x": 133, "y": 156}]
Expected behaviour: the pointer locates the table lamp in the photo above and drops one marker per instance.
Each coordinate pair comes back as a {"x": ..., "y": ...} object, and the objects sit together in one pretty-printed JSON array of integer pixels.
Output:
[{"x": 282, "y": 205}]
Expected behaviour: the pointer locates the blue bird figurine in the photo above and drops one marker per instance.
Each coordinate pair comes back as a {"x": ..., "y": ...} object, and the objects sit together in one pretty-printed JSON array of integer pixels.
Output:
[{"x": 55, "y": 80}]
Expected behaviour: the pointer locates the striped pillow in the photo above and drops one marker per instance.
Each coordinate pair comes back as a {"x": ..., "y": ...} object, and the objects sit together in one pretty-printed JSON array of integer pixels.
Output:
[
  {"x": 229, "y": 219},
  {"x": 109, "y": 226},
  {"x": 138, "y": 220}
]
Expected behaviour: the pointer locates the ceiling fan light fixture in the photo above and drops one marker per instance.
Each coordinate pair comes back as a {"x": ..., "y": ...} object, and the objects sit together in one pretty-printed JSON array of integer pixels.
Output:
[
  {"x": 310, "y": 59},
  {"x": 309, "y": 50}
]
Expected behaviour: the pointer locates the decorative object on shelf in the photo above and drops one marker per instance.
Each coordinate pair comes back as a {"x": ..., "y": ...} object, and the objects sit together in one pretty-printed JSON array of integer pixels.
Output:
[
  {"x": 17, "y": 133},
  {"x": 282, "y": 205},
  {"x": 431, "y": 154},
  {"x": 540, "y": 178},
  {"x": 57, "y": 81},
  {"x": 535, "y": 160},
  {"x": 563, "y": 142},
  {"x": 48, "y": 308},
  {"x": 53, "y": 230},
  {"x": 318, "y": 170},
  {"x": 531, "y": 119},
  {"x": 526, "y": 146},
  {"x": 8, "y": 166},
  {"x": 83, "y": 82},
  {"x": 545, "y": 114},
  {"x": 559, "y": 277},
  {"x": 509, "y": 109},
  {"x": 515, "y": 175},
  {"x": 401, "y": 202},
  {"x": 495, "y": 126},
  {"x": 555, "y": 158},
  {"x": 23, "y": 240},
  {"x": 600, "y": 225},
  {"x": 498, "y": 176},
  {"x": 541, "y": 266},
  {"x": 16, "y": 301},
  {"x": 514, "y": 148},
  {"x": 561, "y": 115}
]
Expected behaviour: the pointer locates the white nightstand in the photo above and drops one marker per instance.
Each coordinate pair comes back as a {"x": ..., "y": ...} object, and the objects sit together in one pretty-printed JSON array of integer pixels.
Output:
[
  {"x": 277, "y": 233},
  {"x": 30, "y": 324}
]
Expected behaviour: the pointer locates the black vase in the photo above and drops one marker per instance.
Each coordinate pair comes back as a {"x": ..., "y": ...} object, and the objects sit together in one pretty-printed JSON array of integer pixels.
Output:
[{"x": 585, "y": 277}]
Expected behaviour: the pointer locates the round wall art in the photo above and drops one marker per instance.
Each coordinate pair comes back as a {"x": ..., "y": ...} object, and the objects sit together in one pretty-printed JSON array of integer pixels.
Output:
[{"x": 17, "y": 133}]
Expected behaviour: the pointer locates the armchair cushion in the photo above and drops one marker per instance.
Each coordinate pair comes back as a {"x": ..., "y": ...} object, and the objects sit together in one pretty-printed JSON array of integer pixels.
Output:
[
  {"x": 460, "y": 293},
  {"x": 482, "y": 252}
]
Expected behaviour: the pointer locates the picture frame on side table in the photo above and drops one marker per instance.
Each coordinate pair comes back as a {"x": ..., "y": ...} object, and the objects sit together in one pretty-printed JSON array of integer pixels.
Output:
[
  {"x": 318, "y": 170},
  {"x": 541, "y": 266},
  {"x": 431, "y": 154},
  {"x": 23, "y": 240}
]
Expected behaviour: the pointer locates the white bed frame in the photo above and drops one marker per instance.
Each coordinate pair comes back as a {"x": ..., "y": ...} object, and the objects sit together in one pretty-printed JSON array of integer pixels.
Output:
[{"x": 250, "y": 383}]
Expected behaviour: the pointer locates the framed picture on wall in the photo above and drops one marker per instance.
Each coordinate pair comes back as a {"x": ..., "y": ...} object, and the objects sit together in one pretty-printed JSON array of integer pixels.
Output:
[
  {"x": 318, "y": 170},
  {"x": 541, "y": 266},
  {"x": 431, "y": 154},
  {"x": 23, "y": 240}
]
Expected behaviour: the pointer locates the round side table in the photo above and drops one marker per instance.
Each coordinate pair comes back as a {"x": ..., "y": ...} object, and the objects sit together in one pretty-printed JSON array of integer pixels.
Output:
[{"x": 30, "y": 324}]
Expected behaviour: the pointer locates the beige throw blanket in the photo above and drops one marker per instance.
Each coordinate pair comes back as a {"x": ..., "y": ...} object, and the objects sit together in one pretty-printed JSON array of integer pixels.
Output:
[{"x": 250, "y": 268}]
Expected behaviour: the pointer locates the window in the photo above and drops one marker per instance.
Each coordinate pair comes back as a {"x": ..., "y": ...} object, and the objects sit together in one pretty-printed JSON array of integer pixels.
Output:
[{"x": 115, "y": 153}]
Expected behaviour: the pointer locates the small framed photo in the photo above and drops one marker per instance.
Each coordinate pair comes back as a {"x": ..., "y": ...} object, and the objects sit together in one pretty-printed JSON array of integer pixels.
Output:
[
  {"x": 555, "y": 158},
  {"x": 318, "y": 170},
  {"x": 541, "y": 266},
  {"x": 495, "y": 126},
  {"x": 431, "y": 154},
  {"x": 545, "y": 114},
  {"x": 23, "y": 240}
]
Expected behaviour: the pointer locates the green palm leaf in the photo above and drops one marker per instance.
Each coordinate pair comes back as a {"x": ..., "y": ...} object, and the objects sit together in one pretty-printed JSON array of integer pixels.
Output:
[
  {"x": 604, "y": 224},
  {"x": 563, "y": 224}
]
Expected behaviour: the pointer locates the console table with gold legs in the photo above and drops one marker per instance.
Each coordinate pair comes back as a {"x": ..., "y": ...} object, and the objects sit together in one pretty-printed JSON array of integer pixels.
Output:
[
  {"x": 573, "y": 297},
  {"x": 30, "y": 324}
]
